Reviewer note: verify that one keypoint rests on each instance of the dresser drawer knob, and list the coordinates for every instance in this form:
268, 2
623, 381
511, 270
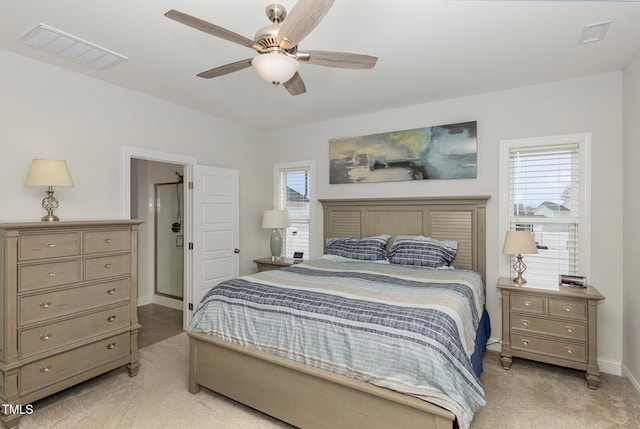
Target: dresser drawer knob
569, 350
111, 291
111, 346
107, 266
45, 304
111, 318
45, 337
527, 303
52, 274
107, 240
525, 341
569, 329
50, 245
45, 369
567, 308
525, 322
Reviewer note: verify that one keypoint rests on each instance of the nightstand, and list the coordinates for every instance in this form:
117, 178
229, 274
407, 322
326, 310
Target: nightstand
266, 264
555, 324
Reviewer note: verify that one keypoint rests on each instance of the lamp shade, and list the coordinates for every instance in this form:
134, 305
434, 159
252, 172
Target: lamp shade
49, 172
519, 242
275, 219
275, 68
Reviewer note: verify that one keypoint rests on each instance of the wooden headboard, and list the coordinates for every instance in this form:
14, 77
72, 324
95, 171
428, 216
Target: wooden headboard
444, 218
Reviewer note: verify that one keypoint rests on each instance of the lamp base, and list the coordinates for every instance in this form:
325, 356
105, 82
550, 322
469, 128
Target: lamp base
276, 245
519, 268
50, 218
50, 203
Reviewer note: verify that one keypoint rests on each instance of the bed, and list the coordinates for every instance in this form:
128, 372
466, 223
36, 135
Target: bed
317, 396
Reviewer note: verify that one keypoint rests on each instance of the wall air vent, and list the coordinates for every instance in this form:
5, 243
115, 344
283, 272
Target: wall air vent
594, 32
70, 47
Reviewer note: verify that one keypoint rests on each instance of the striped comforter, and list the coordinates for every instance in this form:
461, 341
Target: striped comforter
408, 329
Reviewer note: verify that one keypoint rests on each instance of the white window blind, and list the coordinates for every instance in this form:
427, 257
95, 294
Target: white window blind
544, 197
294, 195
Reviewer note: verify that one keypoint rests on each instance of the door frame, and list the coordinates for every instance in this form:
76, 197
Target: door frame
188, 163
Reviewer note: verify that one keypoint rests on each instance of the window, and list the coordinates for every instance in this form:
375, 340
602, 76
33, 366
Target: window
294, 193
544, 185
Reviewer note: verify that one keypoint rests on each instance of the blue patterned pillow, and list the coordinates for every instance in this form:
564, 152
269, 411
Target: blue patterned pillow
361, 249
422, 251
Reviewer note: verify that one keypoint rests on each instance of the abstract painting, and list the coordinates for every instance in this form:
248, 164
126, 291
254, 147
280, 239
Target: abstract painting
439, 152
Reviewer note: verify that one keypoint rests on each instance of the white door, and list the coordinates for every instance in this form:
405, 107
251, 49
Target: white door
215, 229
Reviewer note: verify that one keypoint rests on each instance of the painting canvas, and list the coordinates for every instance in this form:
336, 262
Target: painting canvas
439, 152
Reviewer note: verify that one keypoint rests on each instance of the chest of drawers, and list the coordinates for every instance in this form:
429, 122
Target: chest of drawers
68, 303
556, 325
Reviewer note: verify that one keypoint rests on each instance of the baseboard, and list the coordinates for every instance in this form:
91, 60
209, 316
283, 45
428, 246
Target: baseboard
144, 300
627, 374
176, 304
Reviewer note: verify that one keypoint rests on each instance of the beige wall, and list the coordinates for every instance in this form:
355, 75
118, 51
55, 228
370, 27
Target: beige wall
50, 112
592, 104
631, 212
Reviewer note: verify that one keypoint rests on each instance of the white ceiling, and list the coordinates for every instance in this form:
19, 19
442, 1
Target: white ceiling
428, 50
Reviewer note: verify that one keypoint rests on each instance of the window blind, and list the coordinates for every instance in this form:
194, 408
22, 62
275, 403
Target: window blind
544, 198
294, 196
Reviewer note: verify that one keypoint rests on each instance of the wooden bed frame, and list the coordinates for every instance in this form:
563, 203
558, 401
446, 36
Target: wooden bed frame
308, 397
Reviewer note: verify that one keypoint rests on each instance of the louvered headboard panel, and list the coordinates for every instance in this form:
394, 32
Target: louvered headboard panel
445, 218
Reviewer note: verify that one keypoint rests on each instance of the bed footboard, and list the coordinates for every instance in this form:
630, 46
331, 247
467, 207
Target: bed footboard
302, 395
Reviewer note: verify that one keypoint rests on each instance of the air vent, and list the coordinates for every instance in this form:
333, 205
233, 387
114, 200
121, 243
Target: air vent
594, 32
70, 47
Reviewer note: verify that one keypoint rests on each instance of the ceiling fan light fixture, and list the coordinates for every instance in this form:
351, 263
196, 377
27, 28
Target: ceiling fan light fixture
275, 68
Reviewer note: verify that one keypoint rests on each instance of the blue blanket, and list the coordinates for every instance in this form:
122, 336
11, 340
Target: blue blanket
412, 330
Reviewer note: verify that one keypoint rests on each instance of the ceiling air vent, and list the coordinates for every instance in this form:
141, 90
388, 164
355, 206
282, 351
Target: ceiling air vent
594, 32
53, 41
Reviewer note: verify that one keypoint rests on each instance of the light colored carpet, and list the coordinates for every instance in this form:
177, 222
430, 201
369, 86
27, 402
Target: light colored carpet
528, 396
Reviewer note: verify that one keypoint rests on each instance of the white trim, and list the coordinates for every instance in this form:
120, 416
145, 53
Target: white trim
176, 304
584, 140
188, 163
627, 374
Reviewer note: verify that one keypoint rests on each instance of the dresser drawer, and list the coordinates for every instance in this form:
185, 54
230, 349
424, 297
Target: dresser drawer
558, 349
107, 241
65, 365
44, 338
44, 306
528, 303
568, 308
51, 245
565, 329
38, 276
107, 266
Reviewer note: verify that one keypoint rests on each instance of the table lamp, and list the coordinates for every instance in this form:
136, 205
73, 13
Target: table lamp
275, 219
519, 243
49, 173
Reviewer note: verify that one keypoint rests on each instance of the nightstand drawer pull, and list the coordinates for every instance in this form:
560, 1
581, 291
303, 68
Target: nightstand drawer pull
51, 245
569, 329
52, 274
45, 305
107, 266
45, 369
525, 322
527, 303
111, 318
525, 341
111, 346
111, 291
569, 350
45, 337
567, 308
107, 240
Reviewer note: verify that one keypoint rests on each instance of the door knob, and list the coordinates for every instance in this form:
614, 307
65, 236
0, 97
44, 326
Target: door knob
236, 250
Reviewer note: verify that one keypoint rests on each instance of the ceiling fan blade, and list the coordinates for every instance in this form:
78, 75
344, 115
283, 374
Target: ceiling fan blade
345, 60
295, 85
226, 69
303, 18
207, 27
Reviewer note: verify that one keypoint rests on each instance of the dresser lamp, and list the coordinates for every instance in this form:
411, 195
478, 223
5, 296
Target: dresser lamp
49, 173
275, 219
519, 243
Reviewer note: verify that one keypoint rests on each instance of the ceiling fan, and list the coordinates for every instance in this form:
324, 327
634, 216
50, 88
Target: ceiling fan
277, 45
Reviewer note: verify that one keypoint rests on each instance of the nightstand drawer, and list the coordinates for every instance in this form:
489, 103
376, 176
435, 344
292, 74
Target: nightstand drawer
558, 349
528, 303
65, 365
565, 329
44, 306
106, 241
107, 266
43, 338
51, 245
568, 308
39, 276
